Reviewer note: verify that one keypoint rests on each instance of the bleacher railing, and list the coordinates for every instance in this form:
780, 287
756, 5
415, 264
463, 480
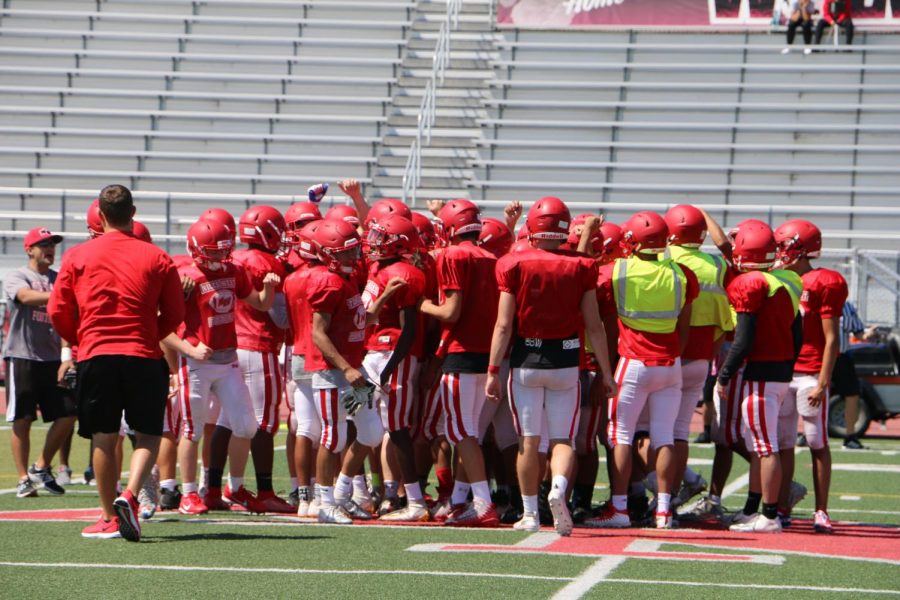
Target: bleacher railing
440, 62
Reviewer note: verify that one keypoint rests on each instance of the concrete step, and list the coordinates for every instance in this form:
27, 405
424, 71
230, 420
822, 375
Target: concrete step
428, 54
413, 121
428, 173
423, 193
432, 153
418, 81
385, 162
442, 112
437, 141
456, 64
425, 182
468, 7
443, 101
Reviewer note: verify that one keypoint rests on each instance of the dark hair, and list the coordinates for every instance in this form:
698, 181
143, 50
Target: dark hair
117, 205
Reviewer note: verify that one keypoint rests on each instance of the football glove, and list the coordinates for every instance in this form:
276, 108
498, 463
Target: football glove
354, 398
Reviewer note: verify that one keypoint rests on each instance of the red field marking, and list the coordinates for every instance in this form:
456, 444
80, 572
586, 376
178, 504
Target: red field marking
51, 514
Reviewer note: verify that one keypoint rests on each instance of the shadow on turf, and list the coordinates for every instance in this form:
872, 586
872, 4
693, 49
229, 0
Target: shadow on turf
230, 537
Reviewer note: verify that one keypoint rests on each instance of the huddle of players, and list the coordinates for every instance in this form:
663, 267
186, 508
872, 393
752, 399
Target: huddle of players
399, 343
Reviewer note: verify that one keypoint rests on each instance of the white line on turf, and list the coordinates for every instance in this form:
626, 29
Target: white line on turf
735, 486
593, 575
73, 565
853, 498
759, 586
865, 468
654, 546
540, 539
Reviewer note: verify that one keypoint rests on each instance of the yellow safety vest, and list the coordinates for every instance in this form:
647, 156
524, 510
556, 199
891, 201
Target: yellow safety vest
649, 294
711, 307
790, 281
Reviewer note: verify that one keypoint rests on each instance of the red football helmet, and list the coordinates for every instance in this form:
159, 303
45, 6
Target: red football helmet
387, 207
611, 249
94, 224
548, 219
209, 241
520, 246
305, 240
686, 224
523, 232
426, 230
459, 217
495, 236
752, 246
140, 231
576, 229
392, 236
300, 213
797, 239
222, 216
263, 226
644, 232
343, 212
338, 245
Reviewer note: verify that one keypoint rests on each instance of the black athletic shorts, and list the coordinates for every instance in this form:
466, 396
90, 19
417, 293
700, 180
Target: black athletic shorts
31, 385
844, 381
109, 385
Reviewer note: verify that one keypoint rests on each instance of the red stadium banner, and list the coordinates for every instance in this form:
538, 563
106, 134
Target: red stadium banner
691, 14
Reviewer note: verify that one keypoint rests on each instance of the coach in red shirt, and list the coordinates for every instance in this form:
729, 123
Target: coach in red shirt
117, 297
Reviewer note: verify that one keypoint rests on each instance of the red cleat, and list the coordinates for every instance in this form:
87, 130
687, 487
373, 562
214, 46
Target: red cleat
192, 504
268, 502
241, 497
477, 514
214, 499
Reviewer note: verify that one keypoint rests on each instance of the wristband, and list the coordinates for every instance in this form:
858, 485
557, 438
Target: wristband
493, 370
65, 354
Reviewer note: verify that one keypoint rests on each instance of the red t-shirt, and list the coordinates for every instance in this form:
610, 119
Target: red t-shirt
548, 287
652, 349
823, 297
329, 293
255, 329
429, 329
116, 295
384, 334
774, 339
210, 308
298, 310
469, 269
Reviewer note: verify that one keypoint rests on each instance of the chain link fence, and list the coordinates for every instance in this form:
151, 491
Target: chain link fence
874, 280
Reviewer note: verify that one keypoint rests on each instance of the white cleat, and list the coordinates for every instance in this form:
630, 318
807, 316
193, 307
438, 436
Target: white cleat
303, 509
353, 509
562, 520
759, 524
610, 519
334, 514
739, 518
786, 51
665, 521
413, 512
364, 502
529, 522
701, 510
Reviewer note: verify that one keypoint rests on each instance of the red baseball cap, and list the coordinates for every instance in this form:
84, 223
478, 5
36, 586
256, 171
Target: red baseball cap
40, 234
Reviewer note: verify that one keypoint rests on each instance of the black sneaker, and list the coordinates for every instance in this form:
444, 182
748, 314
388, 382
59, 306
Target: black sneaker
581, 514
45, 477
510, 516
638, 507
851, 443
169, 499
26, 489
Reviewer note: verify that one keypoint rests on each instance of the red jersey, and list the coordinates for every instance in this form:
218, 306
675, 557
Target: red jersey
256, 330
774, 340
331, 294
210, 308
469, 269
429, 329
823, 297
548, 287
385, 333
182, 260
607, 308
652, 349
116, 295
298, 309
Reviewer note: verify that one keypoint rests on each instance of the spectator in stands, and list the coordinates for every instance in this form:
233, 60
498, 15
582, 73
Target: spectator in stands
35, 365
835, 12
801, 16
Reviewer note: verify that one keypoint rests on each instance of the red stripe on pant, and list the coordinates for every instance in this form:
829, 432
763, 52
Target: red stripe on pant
267, 381
824, 416
328, 406
614, 402
751, 421
433, 411
403, 381
761, 399
185, 394
574, 424
512, 404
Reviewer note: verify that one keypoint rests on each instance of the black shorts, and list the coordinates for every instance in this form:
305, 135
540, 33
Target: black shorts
844, 381
32, 386
109, 385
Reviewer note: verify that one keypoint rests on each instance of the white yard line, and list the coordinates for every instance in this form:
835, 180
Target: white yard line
759, 586
594, 574
540, 539
74, 565
865, 468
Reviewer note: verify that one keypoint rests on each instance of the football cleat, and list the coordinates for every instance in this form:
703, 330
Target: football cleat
334, 514
441, 510
268, 502
389, 505
740, 517
102, 530
169, 499
192, 504
314, 507
477, 514
214, 501
610, 519
413, 512
562, 520
64, 475
798, 493
303, 509
529, 522
822, 523
688, 491
241, 497
785, 519
664, 520
45, 478
759, 523
364, 502
26, 489
702, 509
355, 511
294, 498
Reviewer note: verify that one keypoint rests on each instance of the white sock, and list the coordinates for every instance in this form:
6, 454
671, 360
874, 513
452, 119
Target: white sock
391, 488
235, 483
620, 502
359, 486
482, 491
530, 504
460, 492
342, 487
190, 486
561, 483
326, 495
662, 503
168, 484
413, 492
204, 477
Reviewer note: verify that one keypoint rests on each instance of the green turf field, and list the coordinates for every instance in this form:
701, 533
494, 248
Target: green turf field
230, 554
